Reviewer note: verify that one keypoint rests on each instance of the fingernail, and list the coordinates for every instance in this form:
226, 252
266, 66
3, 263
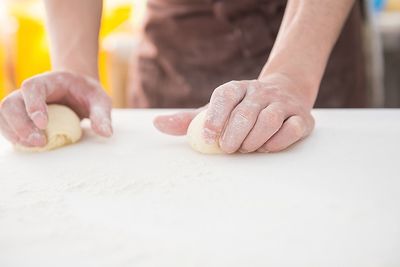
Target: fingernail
244, 151
162, 122
105, 127
262, 150
227, 142
227, 139
36, 139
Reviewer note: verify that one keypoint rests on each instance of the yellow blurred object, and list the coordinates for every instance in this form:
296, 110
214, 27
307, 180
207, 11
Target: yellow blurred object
30, 50
2, 60
2, 52
393, 5
4, 23
115, 13
31, 47
2, 68
118, 48
7, 34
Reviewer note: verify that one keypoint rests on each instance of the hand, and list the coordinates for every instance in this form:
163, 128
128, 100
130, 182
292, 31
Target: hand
23, 114
265, 115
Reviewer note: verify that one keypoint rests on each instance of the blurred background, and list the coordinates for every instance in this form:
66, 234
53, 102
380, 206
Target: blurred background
24, 45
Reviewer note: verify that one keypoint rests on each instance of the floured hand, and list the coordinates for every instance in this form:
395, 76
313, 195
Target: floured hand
266, 115
24, 114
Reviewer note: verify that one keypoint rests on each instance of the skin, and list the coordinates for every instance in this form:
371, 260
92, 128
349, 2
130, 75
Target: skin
266, 115
273, 112
73, 26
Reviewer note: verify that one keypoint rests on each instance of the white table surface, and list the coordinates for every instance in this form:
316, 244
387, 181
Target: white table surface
145, 199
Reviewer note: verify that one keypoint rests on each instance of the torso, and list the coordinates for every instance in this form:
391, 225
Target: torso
191, 47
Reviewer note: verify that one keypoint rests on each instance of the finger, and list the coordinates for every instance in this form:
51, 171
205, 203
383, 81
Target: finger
241, 121
175, 124
7, 132
269, 121
34, 95
100, 115
292, 130
224, 99
14, 113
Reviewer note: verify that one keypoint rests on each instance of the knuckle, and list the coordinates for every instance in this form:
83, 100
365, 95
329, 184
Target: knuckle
5, 104
247, 147
294, 105
272, 91
230, 91
234, 83
253, 88
252, 104
32, 83
273, 147
263, 93
308, 116
243, 115
297, 127
312, 122
308, 124
10, 102
276, 145
62, 79
272, 117
31, 87
251, 144
28, 83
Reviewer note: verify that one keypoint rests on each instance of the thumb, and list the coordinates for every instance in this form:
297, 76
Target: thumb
100, 117
175, 124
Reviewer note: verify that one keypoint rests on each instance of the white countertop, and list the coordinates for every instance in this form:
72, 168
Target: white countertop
145, 199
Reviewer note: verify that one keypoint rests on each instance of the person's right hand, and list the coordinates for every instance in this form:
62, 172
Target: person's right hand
23, 113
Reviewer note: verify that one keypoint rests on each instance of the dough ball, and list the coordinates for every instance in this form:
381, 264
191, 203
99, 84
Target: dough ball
196, 139
64, 128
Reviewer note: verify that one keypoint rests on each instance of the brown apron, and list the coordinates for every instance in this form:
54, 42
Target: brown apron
190, 47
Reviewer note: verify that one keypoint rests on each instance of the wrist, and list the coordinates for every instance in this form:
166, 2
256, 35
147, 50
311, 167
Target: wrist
81, 68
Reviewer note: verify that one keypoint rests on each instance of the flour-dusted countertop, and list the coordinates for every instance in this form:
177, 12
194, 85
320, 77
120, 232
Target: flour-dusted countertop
145, 199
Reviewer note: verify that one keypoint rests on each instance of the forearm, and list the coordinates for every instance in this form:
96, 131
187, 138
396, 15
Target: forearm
308, 33
74, 28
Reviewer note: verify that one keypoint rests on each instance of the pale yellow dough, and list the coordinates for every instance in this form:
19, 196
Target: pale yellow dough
63, 129
195, 137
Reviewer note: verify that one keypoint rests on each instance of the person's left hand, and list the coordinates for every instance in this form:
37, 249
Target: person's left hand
266, 115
